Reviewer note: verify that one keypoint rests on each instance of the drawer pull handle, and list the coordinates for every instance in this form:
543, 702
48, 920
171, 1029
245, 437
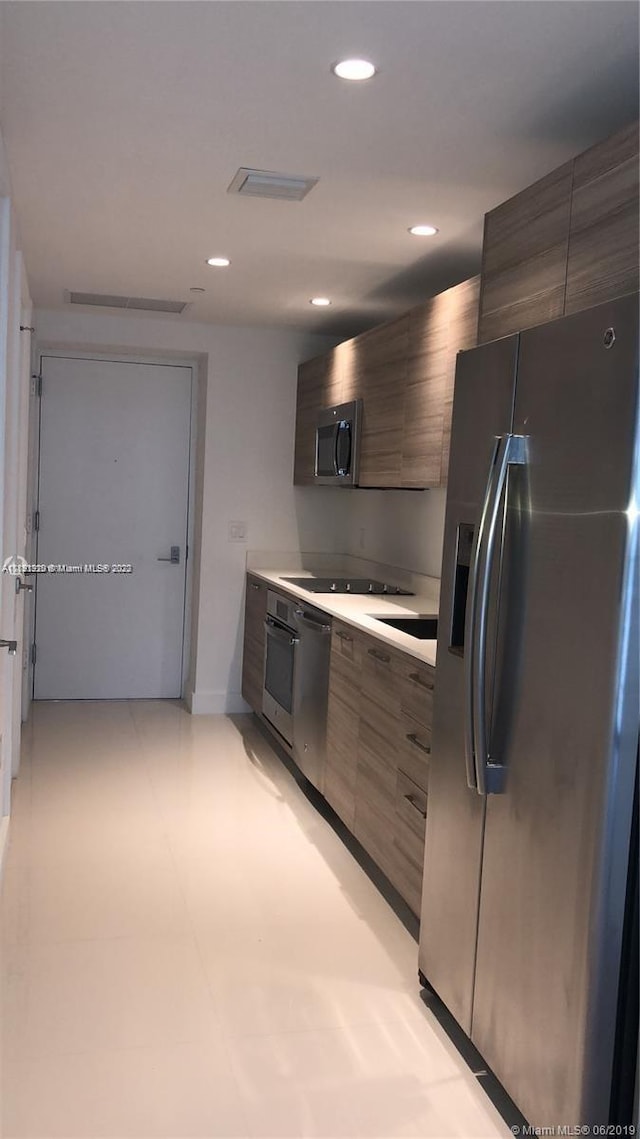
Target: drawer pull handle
416, 806
343, 636
384, 657
413, 739
417, 679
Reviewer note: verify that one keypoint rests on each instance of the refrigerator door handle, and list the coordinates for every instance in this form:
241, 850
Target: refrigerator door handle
482, 776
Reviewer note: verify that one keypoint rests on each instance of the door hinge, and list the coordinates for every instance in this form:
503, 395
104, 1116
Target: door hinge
33, 653
37, 386
36, 519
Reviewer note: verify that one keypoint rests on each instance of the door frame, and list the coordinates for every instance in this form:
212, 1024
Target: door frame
123, 357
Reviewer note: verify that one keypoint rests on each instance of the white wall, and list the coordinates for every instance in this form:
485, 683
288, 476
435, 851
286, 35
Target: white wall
398, 527
247, 463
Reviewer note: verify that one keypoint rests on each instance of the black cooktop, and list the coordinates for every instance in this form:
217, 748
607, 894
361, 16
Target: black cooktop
361, 585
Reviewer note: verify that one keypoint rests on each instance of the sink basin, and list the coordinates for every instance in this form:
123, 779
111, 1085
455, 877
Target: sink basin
424, 628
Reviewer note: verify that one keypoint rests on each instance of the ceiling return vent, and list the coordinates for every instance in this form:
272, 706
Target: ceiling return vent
142, 304
268, 184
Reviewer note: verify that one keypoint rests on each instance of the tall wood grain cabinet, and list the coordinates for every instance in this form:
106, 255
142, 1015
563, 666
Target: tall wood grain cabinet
566, 243
255, 612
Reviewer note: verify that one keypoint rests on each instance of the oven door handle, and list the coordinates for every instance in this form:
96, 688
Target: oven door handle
312, 622
280, 634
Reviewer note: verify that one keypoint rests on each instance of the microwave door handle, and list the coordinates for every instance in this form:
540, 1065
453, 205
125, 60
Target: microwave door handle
343, 430
336, 444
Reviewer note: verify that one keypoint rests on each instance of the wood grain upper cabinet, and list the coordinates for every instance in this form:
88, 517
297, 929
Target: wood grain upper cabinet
375, 372
319, 386
566, 243
463, 301
439, 329
255, 611
603, 234
524, 257
425, 393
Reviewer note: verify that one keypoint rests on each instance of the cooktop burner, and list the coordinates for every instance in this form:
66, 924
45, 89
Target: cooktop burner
347, 585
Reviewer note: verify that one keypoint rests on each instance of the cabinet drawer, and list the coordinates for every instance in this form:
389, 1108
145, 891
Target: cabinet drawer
380, 674
408, 868
341, 767
376, 785
346, 644
414, 751
411, 806
417, 682
375, 832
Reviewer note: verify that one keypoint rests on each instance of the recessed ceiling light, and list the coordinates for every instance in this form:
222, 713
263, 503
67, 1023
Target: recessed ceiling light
354, 69
321, 302
219, 262
423, 230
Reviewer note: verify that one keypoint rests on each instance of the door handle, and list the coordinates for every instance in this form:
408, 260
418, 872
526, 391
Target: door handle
11, 646
174, 557
482, 775
20, 585
311, 623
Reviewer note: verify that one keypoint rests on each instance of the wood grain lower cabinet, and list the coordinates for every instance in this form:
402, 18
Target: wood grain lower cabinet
416, 685
375, 814
379, 742
255, 611
343, 722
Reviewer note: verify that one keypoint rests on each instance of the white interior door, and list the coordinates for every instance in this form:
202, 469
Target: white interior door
7, 595
113, 492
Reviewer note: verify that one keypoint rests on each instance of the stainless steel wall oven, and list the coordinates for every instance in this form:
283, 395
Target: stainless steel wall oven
296, 680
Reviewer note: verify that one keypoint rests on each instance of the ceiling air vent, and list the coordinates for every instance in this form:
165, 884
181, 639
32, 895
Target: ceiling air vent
268, 184
142, 304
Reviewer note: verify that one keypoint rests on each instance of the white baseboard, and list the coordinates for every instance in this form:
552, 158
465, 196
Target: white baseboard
215, 703
4, 840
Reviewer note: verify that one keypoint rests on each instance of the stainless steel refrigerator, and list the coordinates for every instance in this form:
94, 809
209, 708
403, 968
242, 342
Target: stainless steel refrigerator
527, 910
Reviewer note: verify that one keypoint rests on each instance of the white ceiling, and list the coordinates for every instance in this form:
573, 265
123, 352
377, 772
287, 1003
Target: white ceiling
125, 122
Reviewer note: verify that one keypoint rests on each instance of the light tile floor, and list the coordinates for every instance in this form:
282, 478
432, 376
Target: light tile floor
188, 949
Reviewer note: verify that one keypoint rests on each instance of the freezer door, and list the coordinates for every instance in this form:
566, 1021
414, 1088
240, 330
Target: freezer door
556, 841
482, 411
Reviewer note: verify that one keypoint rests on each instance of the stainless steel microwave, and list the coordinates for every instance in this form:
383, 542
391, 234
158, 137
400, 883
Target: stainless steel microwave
338, 444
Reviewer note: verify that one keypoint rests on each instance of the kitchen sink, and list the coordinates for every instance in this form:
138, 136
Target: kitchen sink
424, 628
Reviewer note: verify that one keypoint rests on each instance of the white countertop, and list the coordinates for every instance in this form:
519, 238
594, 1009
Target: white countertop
361, 611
